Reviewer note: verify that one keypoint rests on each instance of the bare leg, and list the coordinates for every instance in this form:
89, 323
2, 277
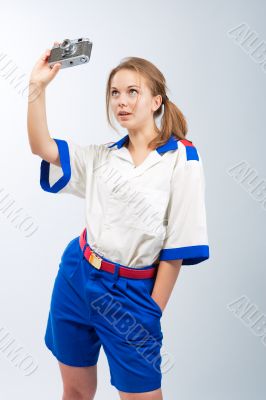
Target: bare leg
153, 395
79, 383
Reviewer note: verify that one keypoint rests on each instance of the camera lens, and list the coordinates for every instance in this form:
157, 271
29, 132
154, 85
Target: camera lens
65, 43
68, 47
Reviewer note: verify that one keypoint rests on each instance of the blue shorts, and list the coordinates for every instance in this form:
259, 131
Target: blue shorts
91, 307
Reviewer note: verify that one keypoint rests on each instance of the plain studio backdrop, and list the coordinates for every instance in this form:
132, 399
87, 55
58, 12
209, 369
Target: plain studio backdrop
206, 50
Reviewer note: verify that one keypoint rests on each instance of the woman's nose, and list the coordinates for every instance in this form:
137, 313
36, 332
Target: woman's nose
122, 100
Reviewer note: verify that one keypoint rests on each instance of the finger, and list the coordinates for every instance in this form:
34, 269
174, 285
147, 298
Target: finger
56, 68
46, 54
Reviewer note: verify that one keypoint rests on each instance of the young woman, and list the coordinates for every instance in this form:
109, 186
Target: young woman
145, 217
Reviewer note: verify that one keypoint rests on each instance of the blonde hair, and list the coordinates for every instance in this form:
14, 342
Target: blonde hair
173, 120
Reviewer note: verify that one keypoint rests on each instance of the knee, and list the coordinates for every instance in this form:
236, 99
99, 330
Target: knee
76, 394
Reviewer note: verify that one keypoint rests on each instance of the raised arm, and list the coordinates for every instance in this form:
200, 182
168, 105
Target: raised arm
40, 140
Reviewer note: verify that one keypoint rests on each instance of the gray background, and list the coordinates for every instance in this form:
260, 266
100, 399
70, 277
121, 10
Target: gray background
221, 91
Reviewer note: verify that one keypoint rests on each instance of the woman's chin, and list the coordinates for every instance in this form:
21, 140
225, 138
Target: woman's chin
125, 122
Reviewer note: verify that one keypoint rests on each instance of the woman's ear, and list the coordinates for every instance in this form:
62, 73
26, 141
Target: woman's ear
157, 102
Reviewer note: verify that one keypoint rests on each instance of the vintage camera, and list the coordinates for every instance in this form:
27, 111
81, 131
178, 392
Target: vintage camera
71, 53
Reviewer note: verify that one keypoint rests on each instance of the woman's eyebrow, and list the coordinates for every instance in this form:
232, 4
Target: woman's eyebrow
113, 87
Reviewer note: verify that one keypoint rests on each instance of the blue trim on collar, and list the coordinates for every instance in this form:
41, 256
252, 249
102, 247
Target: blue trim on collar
171, 144
120, 142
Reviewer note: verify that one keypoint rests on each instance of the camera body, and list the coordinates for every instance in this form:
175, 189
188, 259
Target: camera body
71, 53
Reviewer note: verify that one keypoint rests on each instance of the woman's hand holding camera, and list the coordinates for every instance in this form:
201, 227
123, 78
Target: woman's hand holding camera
42, 74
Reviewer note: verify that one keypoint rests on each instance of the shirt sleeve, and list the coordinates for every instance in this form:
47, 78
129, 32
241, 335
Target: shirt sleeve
71, 176
186, 233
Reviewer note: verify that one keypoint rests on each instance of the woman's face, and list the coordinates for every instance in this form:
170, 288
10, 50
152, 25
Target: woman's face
130, 93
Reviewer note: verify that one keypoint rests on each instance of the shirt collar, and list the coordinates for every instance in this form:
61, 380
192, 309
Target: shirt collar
171, 144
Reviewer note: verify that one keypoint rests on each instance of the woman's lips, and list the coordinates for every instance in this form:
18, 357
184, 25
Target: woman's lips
124, 116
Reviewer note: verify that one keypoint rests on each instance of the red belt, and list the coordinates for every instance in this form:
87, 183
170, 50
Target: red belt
99, 263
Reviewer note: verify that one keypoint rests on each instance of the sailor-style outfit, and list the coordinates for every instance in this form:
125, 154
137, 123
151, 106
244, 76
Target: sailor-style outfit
136, 216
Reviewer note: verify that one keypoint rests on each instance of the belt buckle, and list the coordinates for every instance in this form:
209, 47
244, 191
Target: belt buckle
95, 260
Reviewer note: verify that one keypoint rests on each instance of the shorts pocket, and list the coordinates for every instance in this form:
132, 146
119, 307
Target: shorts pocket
147, 287
71, 258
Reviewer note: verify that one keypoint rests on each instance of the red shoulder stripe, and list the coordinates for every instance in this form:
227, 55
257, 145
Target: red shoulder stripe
187, 142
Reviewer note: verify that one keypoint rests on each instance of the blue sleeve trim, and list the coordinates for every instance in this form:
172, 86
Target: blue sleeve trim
65, 164
191, 255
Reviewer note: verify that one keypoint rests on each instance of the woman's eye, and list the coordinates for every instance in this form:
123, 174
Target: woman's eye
115, 91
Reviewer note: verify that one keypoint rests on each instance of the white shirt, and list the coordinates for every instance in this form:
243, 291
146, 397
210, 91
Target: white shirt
136, 215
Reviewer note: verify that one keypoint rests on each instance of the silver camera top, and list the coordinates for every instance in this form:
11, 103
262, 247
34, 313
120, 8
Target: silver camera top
71, 53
